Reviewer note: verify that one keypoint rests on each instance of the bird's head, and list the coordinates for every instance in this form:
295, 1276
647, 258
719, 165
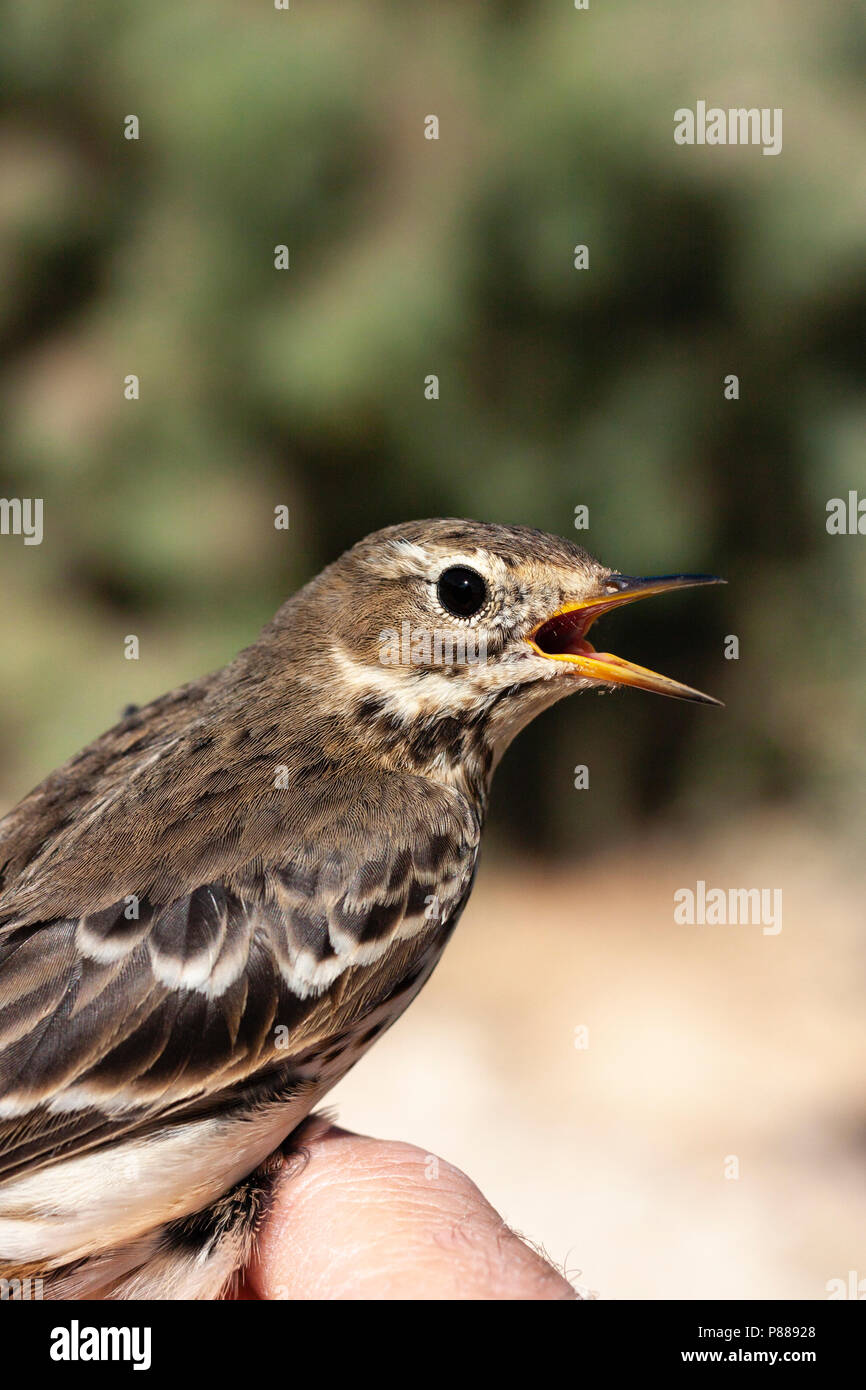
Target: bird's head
442, 627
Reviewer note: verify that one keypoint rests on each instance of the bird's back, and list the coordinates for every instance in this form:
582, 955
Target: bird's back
202, 926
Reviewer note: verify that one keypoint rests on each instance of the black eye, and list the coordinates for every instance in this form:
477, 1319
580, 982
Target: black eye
461, 591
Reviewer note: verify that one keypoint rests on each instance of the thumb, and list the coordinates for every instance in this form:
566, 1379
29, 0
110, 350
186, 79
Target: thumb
376, 1219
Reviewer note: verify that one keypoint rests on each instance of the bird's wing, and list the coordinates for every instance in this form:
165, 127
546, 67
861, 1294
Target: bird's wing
117, 1017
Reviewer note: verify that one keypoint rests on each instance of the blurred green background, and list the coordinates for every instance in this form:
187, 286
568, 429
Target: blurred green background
409, 257
558, 388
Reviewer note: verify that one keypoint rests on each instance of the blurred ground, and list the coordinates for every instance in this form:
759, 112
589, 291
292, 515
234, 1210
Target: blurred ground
704, 1042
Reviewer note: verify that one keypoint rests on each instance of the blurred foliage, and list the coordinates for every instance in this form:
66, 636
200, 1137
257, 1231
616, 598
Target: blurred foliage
454, 257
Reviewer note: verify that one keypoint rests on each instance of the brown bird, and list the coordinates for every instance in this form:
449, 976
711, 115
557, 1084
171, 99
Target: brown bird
209, 914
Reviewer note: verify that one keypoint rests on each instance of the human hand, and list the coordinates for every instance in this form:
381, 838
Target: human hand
377, 1219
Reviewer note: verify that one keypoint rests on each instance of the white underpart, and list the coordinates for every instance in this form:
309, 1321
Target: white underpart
114, 1194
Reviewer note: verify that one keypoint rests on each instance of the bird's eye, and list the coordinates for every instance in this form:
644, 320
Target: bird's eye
461, 591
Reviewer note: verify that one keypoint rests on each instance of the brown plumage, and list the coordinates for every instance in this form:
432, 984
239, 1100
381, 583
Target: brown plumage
211, 912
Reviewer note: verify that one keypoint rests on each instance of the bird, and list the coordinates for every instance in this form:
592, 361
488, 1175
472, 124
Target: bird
212, 912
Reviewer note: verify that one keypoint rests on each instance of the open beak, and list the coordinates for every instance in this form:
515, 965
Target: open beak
562, 636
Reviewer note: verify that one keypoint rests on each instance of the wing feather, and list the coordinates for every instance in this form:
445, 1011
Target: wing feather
108, 1023
176, 931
